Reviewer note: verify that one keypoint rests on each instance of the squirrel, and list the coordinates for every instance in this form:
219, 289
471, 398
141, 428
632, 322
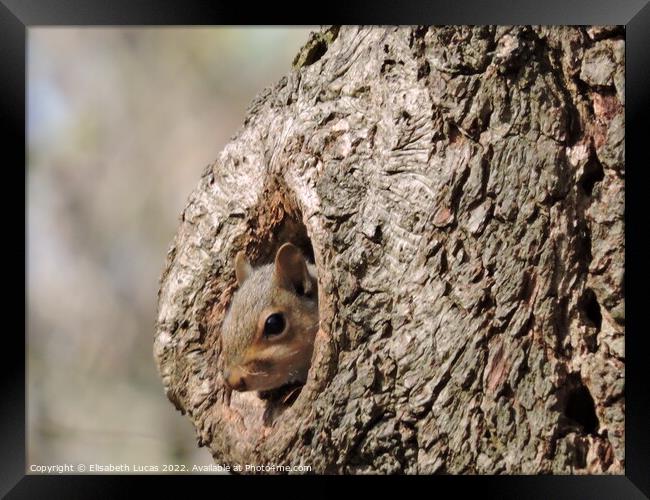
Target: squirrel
269, 329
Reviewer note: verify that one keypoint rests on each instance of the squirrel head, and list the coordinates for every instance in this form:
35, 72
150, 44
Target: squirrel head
269, 329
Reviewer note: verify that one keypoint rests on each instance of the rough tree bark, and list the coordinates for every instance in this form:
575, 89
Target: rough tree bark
462, 192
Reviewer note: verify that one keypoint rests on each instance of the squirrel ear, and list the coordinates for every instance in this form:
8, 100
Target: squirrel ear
242, 268
291, 269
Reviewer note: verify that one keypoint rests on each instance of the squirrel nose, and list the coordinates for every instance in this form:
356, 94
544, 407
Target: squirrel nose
233, 380
239, 384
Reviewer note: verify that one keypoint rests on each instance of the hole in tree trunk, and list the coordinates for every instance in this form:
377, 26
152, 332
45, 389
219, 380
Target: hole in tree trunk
580, 406
592, 174
591, 308
275, 221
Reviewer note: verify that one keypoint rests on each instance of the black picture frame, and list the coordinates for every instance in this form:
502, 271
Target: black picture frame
16, 16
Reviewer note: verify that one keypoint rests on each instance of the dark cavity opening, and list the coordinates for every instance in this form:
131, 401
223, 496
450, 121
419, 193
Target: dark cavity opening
294, 231
583, 250
268, 237
315, 52
591, 308
592, 174
580, 406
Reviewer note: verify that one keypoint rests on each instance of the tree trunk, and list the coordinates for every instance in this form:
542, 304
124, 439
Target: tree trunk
461, 190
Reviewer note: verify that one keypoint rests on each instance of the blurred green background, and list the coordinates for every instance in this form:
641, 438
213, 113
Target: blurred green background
121, 122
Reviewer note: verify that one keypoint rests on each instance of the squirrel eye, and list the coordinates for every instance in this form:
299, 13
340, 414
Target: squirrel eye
274, 325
